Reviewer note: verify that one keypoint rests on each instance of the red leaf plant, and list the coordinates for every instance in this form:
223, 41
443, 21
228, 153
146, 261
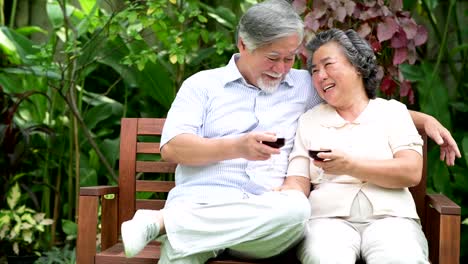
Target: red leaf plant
391, 32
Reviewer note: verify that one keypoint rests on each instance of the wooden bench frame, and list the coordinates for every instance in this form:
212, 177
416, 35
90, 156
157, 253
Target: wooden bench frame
440, 216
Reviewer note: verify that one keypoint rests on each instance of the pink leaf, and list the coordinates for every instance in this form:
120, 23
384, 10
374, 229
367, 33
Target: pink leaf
386, 12
388, 85
399, 40
300, 6
400, 56
357, 13
309, 21
332, 4
407, 90
330, 22
318, 12
350, 6
404, 14
380, 72
411, 53
340, 14
421, 36
411, 96
374, 12
396, 5
376, 46
369, 3
386, 29
409, 26
405, 87
392, 70
364, 30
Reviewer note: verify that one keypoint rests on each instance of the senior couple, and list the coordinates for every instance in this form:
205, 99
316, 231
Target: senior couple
235, 194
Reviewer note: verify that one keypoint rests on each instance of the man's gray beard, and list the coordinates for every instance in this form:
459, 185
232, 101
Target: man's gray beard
268, 87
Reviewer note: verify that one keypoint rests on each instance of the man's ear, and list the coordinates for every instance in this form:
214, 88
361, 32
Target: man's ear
240, 44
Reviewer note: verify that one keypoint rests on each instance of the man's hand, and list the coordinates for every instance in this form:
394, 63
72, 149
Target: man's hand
251, 148
448, 146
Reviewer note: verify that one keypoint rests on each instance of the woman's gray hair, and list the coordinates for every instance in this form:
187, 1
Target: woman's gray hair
268, 21
356, 49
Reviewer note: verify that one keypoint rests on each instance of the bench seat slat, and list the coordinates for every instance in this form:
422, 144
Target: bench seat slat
151, 254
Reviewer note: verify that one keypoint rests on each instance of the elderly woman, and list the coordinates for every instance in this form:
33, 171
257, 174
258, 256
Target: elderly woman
361, 205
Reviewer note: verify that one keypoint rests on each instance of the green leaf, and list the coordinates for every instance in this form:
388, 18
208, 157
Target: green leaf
465, 148
438, 171
202, 19
16, 248
69, 227
9, 48
412, 73
28, 236
458, 49
89, 6
154, 80
26, 31
222, 15
13, 196
88, 176
46, 221
97, 114
433, 94
28, 219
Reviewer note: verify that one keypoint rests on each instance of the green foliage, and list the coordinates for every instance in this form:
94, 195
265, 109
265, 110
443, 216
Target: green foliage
100, 61
442, 87
20, 225
56, 255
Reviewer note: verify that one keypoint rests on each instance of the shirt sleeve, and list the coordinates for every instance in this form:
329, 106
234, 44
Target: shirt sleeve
187, 111
403, 133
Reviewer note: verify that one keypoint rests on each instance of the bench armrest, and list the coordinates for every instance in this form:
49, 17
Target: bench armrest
98, 190
442, 204
442, 228
89, 200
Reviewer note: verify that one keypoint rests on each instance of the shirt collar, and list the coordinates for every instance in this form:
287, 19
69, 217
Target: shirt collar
233, 74
331, 118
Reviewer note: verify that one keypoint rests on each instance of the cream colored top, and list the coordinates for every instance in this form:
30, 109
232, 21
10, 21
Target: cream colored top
382, 129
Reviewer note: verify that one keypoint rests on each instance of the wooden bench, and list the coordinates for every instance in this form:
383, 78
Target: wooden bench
440, 216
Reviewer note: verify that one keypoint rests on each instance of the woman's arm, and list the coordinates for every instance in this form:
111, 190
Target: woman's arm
404, 170
299, 183
435, 130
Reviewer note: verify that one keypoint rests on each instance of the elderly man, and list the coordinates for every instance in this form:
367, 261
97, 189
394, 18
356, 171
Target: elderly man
216, 130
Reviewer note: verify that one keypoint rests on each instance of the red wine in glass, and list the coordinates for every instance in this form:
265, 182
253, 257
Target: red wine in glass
313, 154
276, 144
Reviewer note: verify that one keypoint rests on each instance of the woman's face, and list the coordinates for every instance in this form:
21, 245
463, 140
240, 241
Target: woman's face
336, 80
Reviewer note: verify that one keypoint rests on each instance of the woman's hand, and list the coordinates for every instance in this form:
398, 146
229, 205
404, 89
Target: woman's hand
448, 146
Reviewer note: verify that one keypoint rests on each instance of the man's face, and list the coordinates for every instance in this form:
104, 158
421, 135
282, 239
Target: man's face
266, 66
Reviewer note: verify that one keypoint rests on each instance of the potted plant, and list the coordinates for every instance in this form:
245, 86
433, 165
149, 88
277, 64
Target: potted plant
20, 227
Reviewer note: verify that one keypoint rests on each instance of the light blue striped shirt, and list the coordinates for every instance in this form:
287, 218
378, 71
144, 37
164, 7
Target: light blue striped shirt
218, 103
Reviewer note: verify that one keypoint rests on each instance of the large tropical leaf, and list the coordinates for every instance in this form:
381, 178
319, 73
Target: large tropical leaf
153, 80
433, 94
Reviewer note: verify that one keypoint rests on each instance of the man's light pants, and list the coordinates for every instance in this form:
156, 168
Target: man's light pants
257, 227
